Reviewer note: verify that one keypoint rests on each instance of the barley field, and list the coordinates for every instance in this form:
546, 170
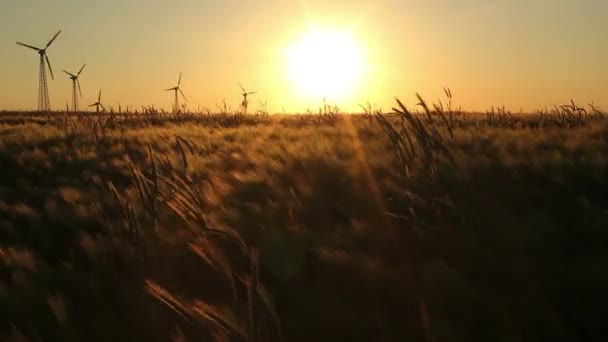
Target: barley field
423, 223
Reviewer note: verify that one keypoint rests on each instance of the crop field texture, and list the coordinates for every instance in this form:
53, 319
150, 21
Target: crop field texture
424, 223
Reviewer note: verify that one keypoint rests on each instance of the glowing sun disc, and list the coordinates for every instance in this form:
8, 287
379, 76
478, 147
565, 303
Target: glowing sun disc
326, 63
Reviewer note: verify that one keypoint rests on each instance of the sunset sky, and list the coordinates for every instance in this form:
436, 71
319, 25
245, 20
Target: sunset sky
519, 53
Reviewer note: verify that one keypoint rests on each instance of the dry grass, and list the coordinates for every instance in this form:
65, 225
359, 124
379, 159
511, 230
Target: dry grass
422, 224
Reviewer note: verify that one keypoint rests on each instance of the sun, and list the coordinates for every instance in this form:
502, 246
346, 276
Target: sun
326, 64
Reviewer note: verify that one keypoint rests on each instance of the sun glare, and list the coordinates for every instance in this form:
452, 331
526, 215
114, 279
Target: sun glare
326, 63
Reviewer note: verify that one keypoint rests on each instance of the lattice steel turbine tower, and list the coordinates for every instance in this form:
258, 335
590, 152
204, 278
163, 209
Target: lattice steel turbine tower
44, 103
75, 81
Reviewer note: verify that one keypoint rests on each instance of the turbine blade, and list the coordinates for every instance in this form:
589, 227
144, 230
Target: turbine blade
69, 73
180, 79
28, 46
49, 64
102, 107
243, 89
99, 97
93, 105
169, 89
184, 96
79, 72
79, 90
52, 39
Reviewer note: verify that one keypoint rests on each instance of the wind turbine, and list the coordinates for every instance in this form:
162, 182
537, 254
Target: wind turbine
75, 81
245, 102
98, 103
44, 104
176, 89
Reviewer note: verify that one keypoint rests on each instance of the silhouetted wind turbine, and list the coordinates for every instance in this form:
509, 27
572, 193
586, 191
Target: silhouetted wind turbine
245, 102
98, 103
75, 81
44, 104
176, 89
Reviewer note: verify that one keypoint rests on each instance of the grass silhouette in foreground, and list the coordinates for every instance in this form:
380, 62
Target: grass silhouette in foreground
430, 226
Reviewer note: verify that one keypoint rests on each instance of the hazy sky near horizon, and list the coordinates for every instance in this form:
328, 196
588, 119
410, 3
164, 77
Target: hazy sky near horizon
519, 53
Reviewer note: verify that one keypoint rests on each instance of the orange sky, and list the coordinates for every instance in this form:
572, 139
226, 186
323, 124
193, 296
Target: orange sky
523, 54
